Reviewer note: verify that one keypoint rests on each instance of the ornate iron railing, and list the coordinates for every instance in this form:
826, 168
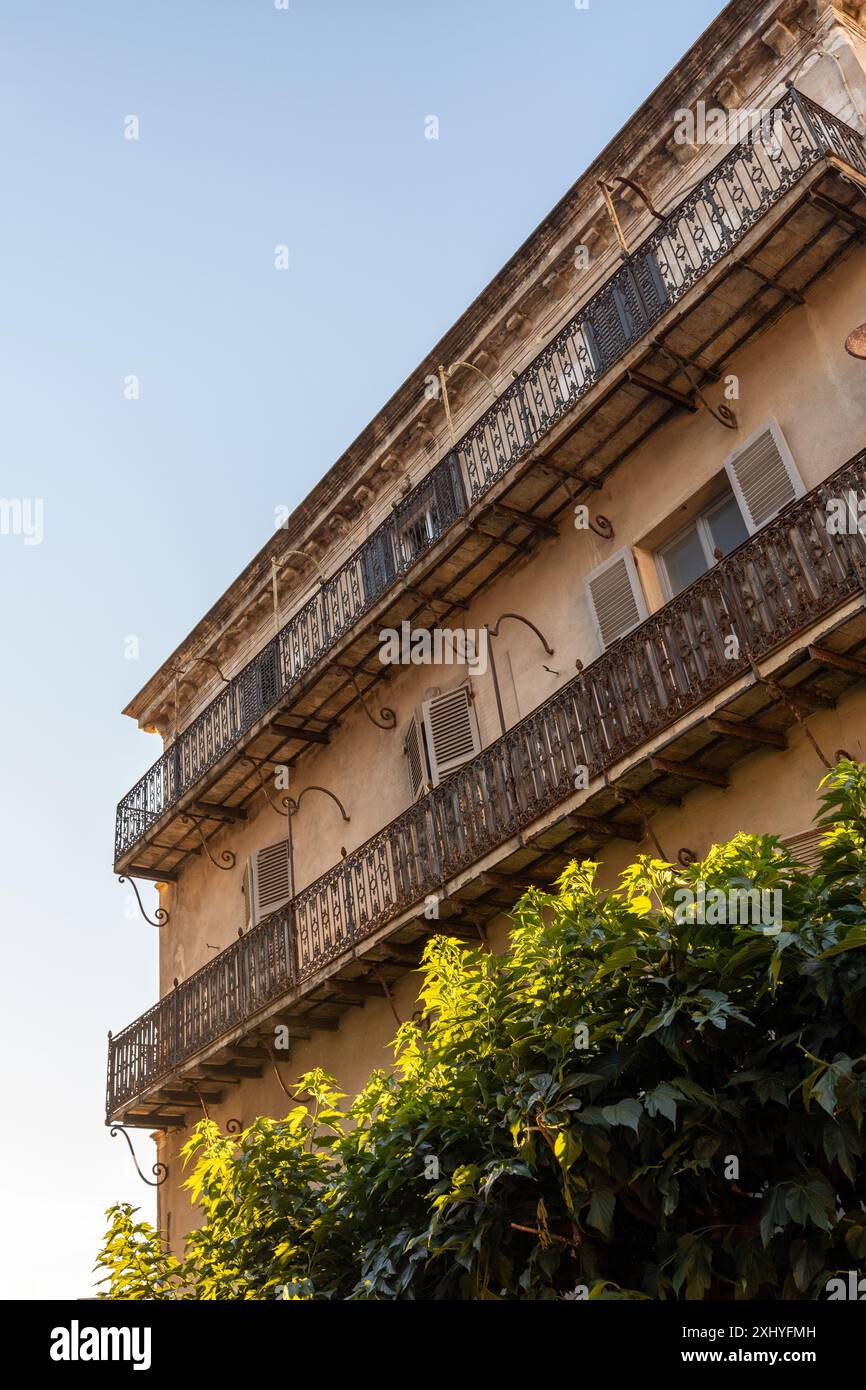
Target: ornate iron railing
777, 584
692, 238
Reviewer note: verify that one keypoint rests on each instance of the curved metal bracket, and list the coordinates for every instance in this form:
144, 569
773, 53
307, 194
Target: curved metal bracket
234, 1126
228, 859
162, 917
183, 668
722, 413
294, 806
253, 762
389, 718
444, 374
159, 1170
518, 617
686, 857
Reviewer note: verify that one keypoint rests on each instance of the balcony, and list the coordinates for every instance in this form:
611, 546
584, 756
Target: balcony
740, 250
339, 938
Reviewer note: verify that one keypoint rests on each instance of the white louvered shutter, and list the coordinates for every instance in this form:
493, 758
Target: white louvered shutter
451, 730
415, 764
763, 476
615, 597
267, 881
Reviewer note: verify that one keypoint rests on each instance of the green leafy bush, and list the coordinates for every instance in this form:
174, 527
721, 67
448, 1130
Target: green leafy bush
630, 1103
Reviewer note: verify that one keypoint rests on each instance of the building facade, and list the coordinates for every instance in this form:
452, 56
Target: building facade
591, 584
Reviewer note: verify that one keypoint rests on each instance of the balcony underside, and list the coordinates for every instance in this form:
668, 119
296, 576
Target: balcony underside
767, 273
811, 673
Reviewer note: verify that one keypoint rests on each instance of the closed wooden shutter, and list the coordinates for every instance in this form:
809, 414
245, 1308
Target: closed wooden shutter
763, 476
805, 847
413, 748
615, 597
267, 881
451, 731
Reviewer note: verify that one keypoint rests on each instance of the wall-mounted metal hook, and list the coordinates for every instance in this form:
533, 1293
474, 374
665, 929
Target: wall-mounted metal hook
159, 1170
686, 857
444, 374
601, 526
228, 859
494, 632
388, 719
294, 806
162, 917
184, 667
256, 763
722, 412
234, 1126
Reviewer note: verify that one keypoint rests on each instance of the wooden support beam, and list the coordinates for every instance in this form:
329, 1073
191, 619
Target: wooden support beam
692, 771
214, 812
794, 295
535, 523
152, 1119
175, 1096
307, 1020
335, 993
748, 733
598, 825
855, 221
660, 388
156, 875
499, 878
295, 731
368, 988
855, 664
808, 700
399, 954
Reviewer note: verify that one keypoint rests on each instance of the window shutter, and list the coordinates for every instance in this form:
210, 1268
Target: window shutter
764, 476
414, 751
267, 884
377, 562
451, 731
805, 847
615, 597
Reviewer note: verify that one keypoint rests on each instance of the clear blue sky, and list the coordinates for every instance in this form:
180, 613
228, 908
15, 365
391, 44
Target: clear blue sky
154, 257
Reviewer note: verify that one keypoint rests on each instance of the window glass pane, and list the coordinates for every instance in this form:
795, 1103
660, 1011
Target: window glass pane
727, 526
684, 559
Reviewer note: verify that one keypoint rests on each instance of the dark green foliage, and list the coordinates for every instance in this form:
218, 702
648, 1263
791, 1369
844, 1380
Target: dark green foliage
626, 1105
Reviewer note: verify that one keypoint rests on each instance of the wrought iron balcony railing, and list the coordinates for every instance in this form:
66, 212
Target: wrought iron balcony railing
776, 585
699, 232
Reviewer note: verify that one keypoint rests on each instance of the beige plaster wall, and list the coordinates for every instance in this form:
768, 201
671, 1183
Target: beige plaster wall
797, 372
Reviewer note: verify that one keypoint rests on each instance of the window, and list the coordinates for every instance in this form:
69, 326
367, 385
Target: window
615, 597
267, 881
416, 533
691, 553
442, 736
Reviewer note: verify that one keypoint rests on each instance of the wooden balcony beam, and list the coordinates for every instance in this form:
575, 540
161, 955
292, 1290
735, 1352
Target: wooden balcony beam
535, 523
598, 825
838, 661
155, 1120
156, 875
839, 210
295, 731
746, 732
660, 388
215, 812
691, 771
307, 1020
